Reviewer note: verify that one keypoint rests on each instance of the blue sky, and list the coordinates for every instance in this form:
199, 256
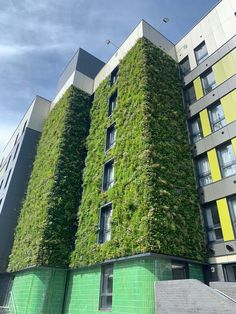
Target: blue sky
39, 37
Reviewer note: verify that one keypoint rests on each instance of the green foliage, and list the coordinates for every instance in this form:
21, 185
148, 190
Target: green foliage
154, 198
46, 226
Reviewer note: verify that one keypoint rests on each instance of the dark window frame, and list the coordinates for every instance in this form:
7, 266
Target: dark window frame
107, 184
201, 176
231, 211
189, 101
212, 123
181, 63
208, 228
103, 283
112, 103
102, 231
209, 88
114, 76
220, 159
110, 144
193, 135
196, 49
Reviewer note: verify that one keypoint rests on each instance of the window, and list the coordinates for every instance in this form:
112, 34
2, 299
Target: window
179, 270
232, 206
189, 95
201, 52
106, 287
196, 130
17, 147
184, 66
213, 226
217, 117
208, 81
111, 136
108, 179
204, 172
114, 76
1, 184
16, 139
24, 127
8, 162
8, 176
105, 224
227, 160
112, 103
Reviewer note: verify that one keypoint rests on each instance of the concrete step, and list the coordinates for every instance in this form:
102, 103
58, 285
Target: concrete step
191, 296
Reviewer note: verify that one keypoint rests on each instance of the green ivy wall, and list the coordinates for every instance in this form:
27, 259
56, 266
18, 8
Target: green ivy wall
154, 200
47, 223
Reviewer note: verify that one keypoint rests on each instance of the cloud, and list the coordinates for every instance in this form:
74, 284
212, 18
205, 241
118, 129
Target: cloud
39, 37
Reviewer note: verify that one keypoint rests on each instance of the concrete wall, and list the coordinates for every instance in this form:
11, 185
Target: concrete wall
216, 28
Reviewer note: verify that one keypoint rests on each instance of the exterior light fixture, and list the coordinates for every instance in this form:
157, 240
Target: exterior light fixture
109, 42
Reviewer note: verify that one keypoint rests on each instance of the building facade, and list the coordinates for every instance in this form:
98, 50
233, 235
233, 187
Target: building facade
207, 58
16, 165
134, 177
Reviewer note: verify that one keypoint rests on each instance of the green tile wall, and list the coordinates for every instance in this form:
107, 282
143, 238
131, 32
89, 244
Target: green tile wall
196, 272
133, 287
39, 291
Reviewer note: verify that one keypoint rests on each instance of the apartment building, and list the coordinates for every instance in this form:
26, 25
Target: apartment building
142, 150
16, 165
207, 58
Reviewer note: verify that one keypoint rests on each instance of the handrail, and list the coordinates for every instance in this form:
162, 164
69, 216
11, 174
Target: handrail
13, 302
225, 295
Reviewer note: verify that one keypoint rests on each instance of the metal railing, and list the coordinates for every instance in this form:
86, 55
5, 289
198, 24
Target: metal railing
225, 295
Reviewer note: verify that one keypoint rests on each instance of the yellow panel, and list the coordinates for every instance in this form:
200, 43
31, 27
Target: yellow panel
198, 88
228, 64
229, 106
234, 145
225, 220
225, 68
214, 165
219, 72
206, 127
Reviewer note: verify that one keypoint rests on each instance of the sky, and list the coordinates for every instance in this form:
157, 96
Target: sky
37, 39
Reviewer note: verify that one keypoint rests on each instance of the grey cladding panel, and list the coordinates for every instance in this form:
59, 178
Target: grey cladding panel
15, 194
88, 64
83, 62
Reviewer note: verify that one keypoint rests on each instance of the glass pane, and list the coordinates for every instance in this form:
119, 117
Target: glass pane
190, 95
196, 131
184, 66
218, 234
233, 208
106, 302
209, 217
227, 159
110, 175
107, 280
208, 82
215, 215
217, 117
211, 236
201, 53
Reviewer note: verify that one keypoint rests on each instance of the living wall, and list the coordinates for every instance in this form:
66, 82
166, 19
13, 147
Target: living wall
47, 223
154, 201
